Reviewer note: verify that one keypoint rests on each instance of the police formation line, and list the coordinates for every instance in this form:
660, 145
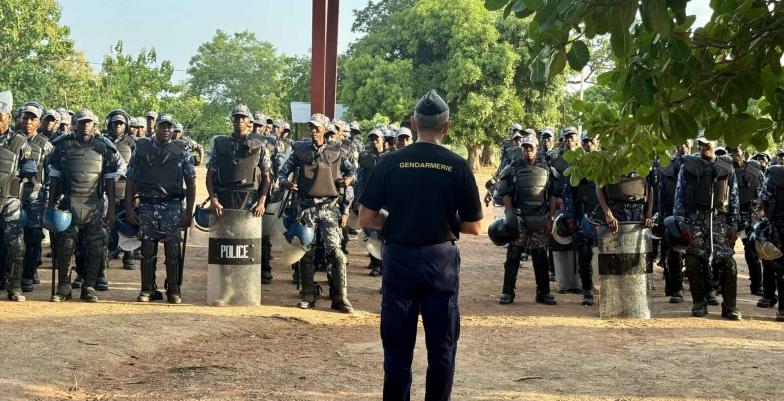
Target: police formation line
691, 211
121, 190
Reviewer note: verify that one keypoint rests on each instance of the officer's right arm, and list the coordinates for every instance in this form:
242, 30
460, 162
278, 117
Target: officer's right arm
55, 183
289, 167
215, 205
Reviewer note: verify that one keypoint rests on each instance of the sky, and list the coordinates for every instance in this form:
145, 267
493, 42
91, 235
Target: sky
176, 28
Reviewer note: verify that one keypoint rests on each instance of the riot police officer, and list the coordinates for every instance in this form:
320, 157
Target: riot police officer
367, 163
771, 207
82, 170
238, 171
50, 123
157, 171
706, 197
749, 178
118, 124
545, 141
402, 138
192, 146
673, 260
512, 141
579, 203
527, 185
34, 193
152, 116
16, 165
323, 172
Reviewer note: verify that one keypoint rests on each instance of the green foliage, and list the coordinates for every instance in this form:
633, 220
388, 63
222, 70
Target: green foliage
475, 59
667, 79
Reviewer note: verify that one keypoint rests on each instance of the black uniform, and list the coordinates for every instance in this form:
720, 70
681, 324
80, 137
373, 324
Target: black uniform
428, 191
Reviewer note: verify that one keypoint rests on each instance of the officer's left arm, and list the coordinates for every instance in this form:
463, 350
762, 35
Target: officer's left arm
112, 163
648, 222
348, 171
200, 151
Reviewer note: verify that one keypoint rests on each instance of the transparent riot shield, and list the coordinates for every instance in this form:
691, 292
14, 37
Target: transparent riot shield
234, 255
623, 259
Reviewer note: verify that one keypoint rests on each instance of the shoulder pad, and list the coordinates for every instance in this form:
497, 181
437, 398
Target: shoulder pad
40, 140
256, 141
176, 147
669, 171
301, 144
107, 143
754, 168
507, 171
775, 174
724, 166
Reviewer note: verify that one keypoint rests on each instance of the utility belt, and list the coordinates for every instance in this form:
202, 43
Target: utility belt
244, 187
307, 214
161, 199
699, 213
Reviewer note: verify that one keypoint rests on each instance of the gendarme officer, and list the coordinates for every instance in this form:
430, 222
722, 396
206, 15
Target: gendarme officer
432, 197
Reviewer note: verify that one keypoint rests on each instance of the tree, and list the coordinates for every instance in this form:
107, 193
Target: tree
374, 15
668, 79
238, 68
471, 56
33, 49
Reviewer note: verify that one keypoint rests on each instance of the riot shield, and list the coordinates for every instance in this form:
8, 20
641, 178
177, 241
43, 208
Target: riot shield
623, 259
234, 253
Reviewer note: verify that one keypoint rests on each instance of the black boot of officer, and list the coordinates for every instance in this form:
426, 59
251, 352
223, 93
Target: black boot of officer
755, 268
149, 292
780, 285
33, 237
375, 267
769, 284
310, 291
585, 269
674, 269
511, 267
172, 250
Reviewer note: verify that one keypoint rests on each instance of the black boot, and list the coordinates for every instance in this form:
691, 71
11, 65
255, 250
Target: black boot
697, 285
148, 272
266, 255
339, 285
543, 295
128, 261
15, 259
310, 291
173, 250
511, 268
585, 269
729, 276
89, 294
102, 283
375, 267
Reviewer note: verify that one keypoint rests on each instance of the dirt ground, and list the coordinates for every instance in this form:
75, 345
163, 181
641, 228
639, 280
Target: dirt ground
120, 350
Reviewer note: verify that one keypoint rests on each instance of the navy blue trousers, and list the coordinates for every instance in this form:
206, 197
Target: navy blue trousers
420, 279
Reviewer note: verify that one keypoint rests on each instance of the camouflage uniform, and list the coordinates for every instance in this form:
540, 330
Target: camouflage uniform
530, 187
772, 193
322, 209
698, 181
15, 165
33, 200
160, 208
749, 178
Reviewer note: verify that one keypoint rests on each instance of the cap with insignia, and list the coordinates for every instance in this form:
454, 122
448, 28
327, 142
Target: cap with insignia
319, 120
286, 127
6, 102
375, 132
86, 114
278, 123
152, 114
759, 155
515, 127
177, 127
259, 118
354, 126
403, 131
431, 105
530, 139
65, 117
516, 134
547, 132
241, 110
529, 131
165, 118
53, 113
32, 107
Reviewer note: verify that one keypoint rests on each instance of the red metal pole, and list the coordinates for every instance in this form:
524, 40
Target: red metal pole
317, 66
331, 71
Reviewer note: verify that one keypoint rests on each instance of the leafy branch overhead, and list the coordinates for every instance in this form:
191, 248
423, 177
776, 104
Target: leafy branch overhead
669, 78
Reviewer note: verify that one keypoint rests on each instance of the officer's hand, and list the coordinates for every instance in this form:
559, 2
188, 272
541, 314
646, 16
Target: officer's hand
572, 225
730, 237
612, 222
343, 220
185, 220
648, 223
216, 207
548, 227
258, 211
289, 185
131, 216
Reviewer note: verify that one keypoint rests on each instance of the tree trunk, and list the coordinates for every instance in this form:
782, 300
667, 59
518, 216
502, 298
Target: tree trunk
488, 153
473, 156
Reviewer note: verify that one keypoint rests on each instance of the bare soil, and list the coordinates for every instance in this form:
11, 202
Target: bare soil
120, 350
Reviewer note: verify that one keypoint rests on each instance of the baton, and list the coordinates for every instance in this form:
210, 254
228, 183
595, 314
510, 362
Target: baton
182, 257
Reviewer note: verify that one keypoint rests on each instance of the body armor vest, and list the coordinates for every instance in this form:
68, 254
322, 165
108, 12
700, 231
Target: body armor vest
368, 161
749, 179
9, 163
668, 184
82, 167
160, 172
559, 163
238, 162
320, 170
531, 195
124, 147
703, 180
629, 190
40, 148
585, 197
775, 210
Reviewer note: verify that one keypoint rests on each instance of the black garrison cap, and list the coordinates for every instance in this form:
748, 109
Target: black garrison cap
431, 104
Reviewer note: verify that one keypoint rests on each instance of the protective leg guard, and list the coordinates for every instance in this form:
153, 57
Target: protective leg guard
755, 268
16, 252
310, 291
541, 274
149, 251
102, 283
694, 266
511, 267
63, 250
173, 251
730, 285
338, 286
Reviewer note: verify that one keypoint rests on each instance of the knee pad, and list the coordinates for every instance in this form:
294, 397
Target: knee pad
149, 248
172, 251
338, 257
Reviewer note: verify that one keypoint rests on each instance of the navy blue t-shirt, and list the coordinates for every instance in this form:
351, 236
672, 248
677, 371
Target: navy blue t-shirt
427, 190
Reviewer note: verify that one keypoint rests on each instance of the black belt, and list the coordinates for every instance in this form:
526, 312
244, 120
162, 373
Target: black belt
159, 199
